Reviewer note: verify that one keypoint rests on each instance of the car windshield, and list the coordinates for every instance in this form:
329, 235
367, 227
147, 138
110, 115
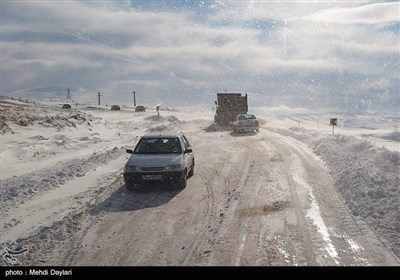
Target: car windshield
250, 117
159, 146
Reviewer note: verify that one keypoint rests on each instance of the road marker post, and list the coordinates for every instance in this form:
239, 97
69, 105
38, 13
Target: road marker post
333, 123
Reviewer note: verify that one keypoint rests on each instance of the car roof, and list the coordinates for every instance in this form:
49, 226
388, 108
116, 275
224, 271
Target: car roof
163, 135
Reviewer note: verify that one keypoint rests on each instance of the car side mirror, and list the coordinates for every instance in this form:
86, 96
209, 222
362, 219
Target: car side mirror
187, 151
129, 151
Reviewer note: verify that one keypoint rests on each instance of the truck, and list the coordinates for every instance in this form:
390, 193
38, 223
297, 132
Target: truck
229, 106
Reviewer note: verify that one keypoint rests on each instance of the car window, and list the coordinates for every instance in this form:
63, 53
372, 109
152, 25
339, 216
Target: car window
158, 146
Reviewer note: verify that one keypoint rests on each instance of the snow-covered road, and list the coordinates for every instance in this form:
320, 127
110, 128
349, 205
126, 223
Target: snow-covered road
254, 200
262, 199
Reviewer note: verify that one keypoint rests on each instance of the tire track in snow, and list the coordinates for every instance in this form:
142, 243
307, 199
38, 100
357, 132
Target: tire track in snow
300, 215
209, 183
298, 176
246, 223
229, 196
237, 236
281, 239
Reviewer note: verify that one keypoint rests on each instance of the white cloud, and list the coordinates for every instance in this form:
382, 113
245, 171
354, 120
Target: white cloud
274, 11
369, 14
270, 65
135, 83
271, 48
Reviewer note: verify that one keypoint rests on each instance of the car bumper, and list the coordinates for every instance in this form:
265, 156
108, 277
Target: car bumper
248, 128
162, 177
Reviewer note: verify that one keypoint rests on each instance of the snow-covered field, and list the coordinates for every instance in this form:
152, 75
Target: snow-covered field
61, 182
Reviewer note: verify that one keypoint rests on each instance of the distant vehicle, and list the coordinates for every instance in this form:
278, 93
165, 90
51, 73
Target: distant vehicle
115, 107
166, 158
140, 109
246, 123
229, 105
66, 106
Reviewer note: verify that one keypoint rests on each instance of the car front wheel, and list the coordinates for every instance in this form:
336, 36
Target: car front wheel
183, 180
191, 172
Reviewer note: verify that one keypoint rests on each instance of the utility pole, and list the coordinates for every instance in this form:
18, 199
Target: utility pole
98, 95
68, 94
134, 98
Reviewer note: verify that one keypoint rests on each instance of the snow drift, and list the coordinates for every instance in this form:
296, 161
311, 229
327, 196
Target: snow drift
368, 179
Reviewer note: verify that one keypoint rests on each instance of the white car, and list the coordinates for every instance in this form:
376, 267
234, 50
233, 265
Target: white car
166, 158
246, 123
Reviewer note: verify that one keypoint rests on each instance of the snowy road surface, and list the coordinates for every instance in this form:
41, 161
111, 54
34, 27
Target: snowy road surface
262, 199
254, 200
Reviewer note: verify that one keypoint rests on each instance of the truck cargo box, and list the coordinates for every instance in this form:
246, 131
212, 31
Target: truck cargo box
229, 105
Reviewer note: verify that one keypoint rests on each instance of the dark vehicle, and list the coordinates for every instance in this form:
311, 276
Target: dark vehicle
66, 106
140, 109
246, 123
165, 158
229, 105
115, 107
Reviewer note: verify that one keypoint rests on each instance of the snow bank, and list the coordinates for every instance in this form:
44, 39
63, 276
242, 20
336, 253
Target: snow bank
94, 108
168, 123
368, 179
21, 189
4, 128
393, 136
171, 119
14, 113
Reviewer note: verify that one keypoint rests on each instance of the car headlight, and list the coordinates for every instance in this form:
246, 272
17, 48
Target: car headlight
131, 169
176, 167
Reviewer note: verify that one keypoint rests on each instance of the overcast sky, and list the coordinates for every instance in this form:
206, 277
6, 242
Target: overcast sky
306, 53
